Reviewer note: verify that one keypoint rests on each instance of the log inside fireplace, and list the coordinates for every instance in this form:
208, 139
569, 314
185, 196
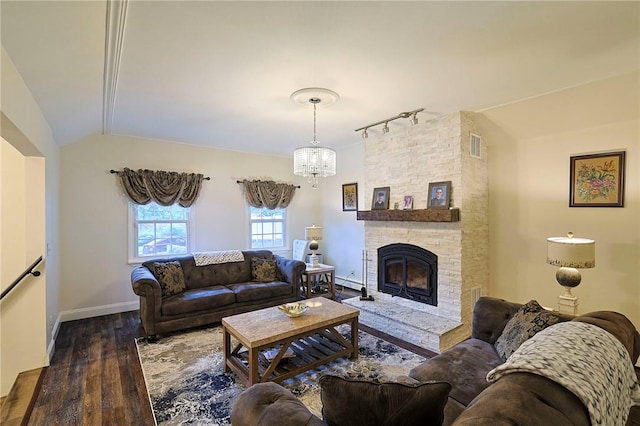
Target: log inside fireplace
408, 271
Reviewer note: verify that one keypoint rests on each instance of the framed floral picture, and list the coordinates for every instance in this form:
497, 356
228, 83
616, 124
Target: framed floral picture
597, 180
380, 198
350, 197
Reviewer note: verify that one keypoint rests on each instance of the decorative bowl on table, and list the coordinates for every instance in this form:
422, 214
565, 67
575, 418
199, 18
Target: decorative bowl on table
293, 310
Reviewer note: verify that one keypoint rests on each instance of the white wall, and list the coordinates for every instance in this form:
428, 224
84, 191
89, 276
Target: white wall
93, 223
22, 314
344, 235
530, 144
30, 162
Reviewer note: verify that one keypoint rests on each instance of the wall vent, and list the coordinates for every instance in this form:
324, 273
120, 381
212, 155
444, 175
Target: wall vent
475, 145
476, 292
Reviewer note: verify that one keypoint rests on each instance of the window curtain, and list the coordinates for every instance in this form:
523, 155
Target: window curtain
267, 193
165, 188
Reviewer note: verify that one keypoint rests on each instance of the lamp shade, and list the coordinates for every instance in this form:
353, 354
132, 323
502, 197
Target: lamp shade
313, 233
315, 161
569, 252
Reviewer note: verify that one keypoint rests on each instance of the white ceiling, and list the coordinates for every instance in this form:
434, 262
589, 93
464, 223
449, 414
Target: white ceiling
220, 73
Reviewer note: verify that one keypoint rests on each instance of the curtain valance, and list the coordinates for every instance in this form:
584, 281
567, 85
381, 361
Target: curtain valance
267, 193
165, 188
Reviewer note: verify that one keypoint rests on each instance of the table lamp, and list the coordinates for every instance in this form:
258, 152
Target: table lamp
313, 234
570, 254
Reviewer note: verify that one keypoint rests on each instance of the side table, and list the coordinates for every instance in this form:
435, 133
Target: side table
316, 271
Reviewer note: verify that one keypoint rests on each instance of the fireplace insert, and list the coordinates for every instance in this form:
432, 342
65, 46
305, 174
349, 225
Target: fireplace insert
408, 271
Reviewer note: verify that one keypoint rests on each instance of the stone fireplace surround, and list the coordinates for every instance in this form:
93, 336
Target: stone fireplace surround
406, 160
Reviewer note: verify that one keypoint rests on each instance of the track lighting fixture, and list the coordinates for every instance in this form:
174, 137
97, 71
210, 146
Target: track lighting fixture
385, 129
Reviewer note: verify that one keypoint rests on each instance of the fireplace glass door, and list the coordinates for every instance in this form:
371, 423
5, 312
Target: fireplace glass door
408, 271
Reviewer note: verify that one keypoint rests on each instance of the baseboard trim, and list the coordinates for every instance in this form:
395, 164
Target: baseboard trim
354, 285
96, 311
52, 344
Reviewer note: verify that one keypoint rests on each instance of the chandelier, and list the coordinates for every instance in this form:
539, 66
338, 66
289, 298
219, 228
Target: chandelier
314, 161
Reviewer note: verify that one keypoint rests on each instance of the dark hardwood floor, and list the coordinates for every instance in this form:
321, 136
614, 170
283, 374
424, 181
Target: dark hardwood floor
95, 376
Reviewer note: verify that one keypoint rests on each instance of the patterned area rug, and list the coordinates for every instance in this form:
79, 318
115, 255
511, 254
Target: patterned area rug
187, 385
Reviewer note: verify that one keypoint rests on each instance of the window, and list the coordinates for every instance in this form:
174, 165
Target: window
160, 231
267, 227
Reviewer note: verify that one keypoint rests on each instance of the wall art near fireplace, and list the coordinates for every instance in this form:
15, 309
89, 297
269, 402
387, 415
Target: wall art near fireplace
597, 180
380, 199
439, 195
350, 197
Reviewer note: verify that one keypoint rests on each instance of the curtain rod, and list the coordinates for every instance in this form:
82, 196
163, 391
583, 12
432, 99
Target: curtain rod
241, 181
115, 171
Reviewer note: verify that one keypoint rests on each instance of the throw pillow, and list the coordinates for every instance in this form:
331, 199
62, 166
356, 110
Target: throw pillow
263, 270
525, 323
348, 402
170, 276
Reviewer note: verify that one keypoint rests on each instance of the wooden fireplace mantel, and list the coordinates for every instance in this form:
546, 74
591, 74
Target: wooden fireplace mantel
418, 215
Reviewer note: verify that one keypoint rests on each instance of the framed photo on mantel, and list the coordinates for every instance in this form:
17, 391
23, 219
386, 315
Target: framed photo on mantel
407, 203
380, 198
439, 195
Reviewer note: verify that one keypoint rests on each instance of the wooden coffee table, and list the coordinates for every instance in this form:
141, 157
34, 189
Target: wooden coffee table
312, 338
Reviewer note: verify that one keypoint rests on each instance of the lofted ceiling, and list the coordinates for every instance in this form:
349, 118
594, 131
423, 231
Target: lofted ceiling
220, 74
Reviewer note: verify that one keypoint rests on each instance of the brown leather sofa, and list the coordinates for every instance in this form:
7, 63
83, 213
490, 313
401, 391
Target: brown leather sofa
519, 398
212, 291
515, 399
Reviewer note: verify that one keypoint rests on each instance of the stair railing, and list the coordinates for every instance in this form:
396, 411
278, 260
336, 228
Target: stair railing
27, 271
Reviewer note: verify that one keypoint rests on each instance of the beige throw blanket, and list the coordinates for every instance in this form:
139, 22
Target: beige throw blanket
585, 359
213, 257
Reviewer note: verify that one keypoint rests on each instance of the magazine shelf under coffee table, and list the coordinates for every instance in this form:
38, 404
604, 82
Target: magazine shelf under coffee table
312, 338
